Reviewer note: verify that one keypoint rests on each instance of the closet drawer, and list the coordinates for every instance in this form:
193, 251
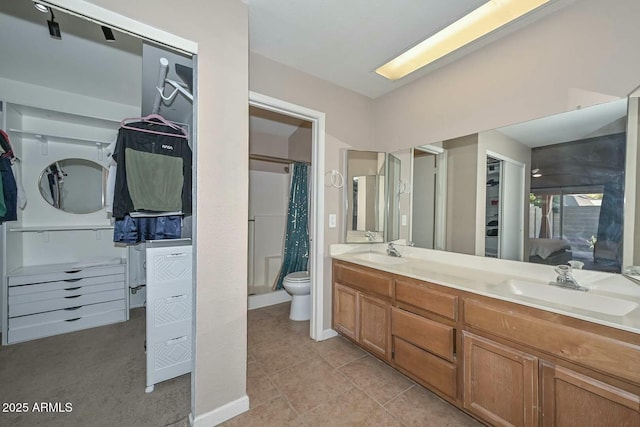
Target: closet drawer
171, 310
72, 291
72, 273
65, 284
65, 314
171, 357
61, 303
62, 326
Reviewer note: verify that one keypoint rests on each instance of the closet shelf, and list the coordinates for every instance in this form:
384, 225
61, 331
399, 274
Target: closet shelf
45, 137
45, 228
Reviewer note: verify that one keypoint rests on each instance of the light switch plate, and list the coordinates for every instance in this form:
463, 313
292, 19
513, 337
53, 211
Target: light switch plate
332, 220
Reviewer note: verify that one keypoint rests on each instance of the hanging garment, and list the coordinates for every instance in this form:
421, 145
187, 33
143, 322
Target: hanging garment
111, 179
135, 230
9, 191
5, 144
3, 205
154, 170
17, 175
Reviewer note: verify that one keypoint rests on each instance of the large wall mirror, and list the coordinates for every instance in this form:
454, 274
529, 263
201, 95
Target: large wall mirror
548, 191
74, 185
365, 196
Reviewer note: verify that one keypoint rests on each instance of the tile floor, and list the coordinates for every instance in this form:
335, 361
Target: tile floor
295, 381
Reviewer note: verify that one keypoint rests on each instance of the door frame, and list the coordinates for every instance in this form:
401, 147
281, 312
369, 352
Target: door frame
316, 258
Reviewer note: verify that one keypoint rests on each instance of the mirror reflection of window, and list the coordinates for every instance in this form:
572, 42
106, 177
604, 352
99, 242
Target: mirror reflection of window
74, 185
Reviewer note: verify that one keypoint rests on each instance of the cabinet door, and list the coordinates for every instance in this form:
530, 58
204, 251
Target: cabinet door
345, 311
500, 383
571, 399
375, 326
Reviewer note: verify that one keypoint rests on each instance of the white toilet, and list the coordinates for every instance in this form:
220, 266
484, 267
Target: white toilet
298, 285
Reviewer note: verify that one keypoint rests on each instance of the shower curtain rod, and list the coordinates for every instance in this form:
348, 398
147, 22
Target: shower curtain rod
275, 159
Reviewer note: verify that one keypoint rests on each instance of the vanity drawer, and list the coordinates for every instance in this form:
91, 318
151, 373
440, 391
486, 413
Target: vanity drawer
65, 284
62, 303
368, 281
72, 273
63, 326
426, 368
424, 333
72, 291
65, 314
592, 350
416, 294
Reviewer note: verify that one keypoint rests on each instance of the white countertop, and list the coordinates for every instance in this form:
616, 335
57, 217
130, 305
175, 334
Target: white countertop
489, 277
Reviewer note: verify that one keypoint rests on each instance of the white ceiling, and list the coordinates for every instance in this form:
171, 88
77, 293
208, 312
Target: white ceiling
601, 119
340, 41
345, 41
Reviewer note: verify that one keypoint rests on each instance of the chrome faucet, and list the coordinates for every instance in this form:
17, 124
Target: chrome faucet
392, 251
566, 280
370, 235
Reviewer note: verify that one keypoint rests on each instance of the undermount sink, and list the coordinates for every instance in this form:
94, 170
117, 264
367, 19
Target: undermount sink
572, 298
380, 258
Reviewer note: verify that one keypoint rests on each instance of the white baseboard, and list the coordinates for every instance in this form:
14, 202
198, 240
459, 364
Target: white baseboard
223, 413
328, 333
270, 298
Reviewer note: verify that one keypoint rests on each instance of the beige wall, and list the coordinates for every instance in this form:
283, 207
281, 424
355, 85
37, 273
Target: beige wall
348, 125
268, 145
551, 66
462, 164
221, 30
300, 144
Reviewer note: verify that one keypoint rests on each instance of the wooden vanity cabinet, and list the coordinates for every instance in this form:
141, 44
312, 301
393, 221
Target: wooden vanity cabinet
504, 363
571, 399
362, 308
500, 383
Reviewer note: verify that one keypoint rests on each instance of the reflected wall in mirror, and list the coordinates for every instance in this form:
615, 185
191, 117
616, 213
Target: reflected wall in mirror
566, 186
74, 185
365, 196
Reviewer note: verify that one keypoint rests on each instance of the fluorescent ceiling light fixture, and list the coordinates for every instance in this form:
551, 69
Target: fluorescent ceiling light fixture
487, 18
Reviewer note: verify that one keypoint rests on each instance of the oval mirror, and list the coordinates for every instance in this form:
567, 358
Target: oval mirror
74, 185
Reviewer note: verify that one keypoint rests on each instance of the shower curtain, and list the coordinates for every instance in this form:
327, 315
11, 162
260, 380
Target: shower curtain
296, 239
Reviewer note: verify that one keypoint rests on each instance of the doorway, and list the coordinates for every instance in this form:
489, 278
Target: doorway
316, 223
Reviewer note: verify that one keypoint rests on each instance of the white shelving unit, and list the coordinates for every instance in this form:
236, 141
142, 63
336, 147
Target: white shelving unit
492, 215
169, 309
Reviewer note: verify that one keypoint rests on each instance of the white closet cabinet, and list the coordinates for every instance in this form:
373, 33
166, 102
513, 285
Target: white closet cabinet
53, 299
169, 310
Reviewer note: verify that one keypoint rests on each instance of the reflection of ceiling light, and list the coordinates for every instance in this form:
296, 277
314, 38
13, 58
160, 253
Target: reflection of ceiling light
108, 34
54, 27
478, 23
535, 173
42, 8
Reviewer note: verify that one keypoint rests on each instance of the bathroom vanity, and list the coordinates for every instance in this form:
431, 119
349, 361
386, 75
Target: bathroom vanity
487, 343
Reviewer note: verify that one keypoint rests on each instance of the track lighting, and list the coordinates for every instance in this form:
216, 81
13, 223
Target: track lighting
54, 27
40, 7
108, 34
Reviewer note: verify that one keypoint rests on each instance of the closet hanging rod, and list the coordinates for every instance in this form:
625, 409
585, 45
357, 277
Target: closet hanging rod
275, 159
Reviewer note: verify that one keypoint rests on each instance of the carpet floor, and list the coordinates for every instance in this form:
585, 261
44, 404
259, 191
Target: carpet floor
99, 371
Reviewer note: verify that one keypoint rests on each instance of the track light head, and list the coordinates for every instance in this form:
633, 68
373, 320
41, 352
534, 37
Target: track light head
40, 7
54, 27
108, 34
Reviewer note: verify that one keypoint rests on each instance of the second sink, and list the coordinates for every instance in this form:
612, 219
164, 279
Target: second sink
585, 301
